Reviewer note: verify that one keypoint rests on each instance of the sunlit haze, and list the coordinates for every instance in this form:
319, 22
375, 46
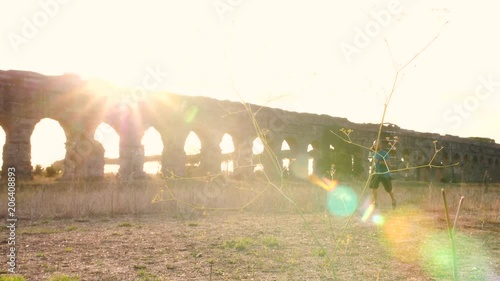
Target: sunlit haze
326, 57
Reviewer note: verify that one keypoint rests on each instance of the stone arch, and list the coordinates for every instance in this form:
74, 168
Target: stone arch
128, 122
439, 173
48, 144
342, 157
465, 160
152, 142
257, 146
152, 138
192, 149
300, 162
104, 132
456, 168
418, 157
475, 159
174, 157
315, 144
445, 158
319, 162
328, 158
286, 155
287, 144
108, 137
268, 155
205, 157
192, 144
310, 159
357, 160
258, 150
314, 164
210, 155
242, 155
405, 154
465, 167
227, 144
269, 159
403, 163
414, 157
227, 148
326, 165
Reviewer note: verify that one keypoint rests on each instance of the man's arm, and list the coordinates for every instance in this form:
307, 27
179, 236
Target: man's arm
387, 160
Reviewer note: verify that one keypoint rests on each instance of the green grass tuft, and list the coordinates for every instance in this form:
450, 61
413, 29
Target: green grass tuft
71, 228
240, 244
271, 242
319, 252
39, 230
139, 267
146, 276
12, 278
63, 277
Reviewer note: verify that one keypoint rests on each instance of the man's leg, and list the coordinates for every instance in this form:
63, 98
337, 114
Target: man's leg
374, 195
387, 182
394, 203
374, 185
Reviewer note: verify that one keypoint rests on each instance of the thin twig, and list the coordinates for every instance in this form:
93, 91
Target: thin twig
456, 215
452, 239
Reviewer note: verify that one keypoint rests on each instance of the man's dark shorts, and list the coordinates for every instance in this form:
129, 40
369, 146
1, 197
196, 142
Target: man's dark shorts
384, 179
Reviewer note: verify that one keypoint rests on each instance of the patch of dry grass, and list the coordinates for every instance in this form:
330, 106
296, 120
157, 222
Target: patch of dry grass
82, 200
188, 229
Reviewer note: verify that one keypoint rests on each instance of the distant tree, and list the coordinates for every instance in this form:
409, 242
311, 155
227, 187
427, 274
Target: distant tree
38, 170
58, 165
51, 171
480, 139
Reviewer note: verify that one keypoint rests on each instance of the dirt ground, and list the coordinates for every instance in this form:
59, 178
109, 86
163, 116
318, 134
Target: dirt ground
401, 244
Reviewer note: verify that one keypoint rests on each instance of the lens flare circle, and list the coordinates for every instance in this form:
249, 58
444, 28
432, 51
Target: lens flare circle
325, 183
472, 258
190, 114
341, 201
378, 219
405, 231
368, 212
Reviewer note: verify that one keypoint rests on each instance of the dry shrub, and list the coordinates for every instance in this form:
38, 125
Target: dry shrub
114, 197
81, 199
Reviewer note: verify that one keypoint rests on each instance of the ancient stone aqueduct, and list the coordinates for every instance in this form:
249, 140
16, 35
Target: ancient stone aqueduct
80, 106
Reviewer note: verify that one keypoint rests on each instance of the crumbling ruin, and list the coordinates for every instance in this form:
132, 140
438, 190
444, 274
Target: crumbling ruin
80, 106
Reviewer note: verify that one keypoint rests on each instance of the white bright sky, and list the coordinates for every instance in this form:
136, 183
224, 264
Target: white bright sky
283, 53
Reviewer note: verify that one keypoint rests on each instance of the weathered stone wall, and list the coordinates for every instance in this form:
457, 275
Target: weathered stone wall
80, 106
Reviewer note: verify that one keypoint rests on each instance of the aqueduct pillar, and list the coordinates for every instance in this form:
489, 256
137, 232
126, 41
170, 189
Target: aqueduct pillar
17, 148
